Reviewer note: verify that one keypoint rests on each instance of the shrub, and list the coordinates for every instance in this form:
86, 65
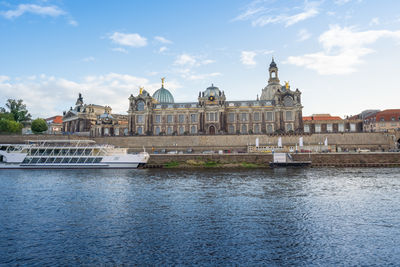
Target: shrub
39, 126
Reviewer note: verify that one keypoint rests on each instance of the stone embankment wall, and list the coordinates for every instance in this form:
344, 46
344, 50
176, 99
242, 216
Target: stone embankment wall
318, 159
375, 141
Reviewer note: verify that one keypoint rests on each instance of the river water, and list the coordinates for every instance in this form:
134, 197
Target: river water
324, 216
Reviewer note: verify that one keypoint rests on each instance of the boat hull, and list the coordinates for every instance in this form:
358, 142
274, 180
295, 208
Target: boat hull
127, 165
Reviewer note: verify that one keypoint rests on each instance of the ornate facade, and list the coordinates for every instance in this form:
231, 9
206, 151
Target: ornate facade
279, 110
93, 120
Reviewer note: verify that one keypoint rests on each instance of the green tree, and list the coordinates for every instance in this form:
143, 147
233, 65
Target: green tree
10, 126
39, 126
18, 110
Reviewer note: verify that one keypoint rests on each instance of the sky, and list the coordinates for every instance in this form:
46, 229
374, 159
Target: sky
343, 55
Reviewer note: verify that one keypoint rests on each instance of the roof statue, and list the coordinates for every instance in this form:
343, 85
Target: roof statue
141, 90
287, 85
162, 82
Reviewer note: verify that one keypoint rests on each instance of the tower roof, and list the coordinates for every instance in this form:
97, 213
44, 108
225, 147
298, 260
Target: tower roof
273, 64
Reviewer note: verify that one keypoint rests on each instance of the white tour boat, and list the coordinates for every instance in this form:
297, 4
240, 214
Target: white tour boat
68, 154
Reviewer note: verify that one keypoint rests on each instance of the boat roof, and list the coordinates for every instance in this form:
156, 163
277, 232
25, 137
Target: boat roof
61, 141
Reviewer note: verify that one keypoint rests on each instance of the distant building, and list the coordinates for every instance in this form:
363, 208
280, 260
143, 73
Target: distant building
325, 123
54, 125
95, 120
278, 110
108, 124
383, 121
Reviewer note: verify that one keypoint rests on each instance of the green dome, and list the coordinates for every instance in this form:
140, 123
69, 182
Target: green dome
162, 95
211, 91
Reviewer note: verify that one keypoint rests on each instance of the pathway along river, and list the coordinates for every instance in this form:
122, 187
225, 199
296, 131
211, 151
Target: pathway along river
219, 217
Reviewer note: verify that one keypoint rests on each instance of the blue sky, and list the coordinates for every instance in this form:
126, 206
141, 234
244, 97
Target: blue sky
343, 55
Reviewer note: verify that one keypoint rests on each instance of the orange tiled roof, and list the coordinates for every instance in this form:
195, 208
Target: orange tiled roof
388, 114
55, 119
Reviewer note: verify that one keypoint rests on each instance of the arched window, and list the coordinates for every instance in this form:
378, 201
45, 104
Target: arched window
140, 105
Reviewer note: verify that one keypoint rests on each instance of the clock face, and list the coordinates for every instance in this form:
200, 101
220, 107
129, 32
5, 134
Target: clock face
211, 98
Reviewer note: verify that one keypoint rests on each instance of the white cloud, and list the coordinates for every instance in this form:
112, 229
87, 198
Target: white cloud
343, 50
120, 49
111, 89
267, 14
4, 78
52, 11
73, 22
247, 58
207, 61
162, 40
303, 35
128, 39
185, 59
162, 49
192, 61
88, 59
374, 21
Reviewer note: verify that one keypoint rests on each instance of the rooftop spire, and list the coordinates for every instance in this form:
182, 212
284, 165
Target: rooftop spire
162, 82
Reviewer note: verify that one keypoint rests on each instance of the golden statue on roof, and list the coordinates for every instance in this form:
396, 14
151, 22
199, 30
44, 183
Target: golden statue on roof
287, 85
141, 90
162, 81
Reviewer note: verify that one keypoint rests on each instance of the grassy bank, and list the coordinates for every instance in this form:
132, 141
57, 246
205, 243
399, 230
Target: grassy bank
211, 164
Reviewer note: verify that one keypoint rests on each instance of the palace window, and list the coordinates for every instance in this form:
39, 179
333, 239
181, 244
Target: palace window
243, 116
193, 118
157, 131
169, 130
257, 129
181, 118
231, 117
352, 127
289, 127
306, 128
289, 116
212, 116
158, 118
329, 128
256, 116
244, 129
140, 118
269, 116
270, 129
170, 119
140, 105
341, 127
140, 130
317, 128
181, 129
231, 129
193, 130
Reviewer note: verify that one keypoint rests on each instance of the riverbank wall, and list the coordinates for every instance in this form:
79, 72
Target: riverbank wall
199, 143
370, 159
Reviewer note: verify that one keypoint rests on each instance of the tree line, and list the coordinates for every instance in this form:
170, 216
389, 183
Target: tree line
14, 116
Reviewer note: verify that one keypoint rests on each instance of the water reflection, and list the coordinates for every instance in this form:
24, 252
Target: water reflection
207, 217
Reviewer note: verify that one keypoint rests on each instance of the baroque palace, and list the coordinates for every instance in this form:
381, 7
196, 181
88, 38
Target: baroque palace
278, 110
